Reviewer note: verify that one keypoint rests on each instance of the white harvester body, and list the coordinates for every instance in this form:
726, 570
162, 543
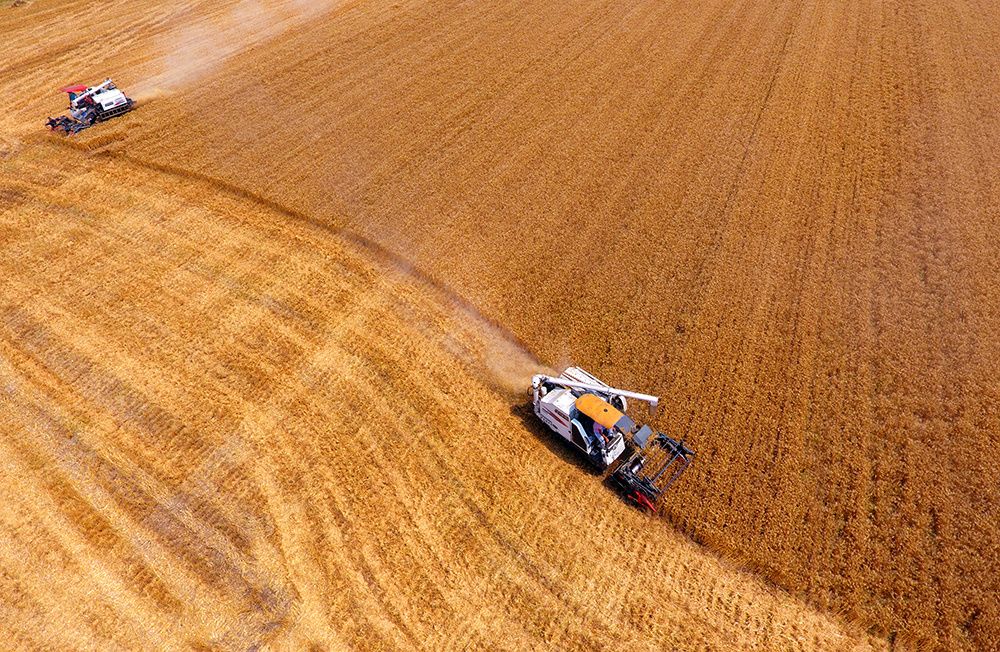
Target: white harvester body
89, 105
105, 98
590, 414
584, 411
109, 99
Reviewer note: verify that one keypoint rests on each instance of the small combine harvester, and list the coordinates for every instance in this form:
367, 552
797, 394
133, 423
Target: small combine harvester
590, 414
89, 105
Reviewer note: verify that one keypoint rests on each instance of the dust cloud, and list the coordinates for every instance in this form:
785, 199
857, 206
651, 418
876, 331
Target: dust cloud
491, 353
205, 41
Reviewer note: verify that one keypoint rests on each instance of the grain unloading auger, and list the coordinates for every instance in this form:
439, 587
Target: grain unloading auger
591, 415
89, 105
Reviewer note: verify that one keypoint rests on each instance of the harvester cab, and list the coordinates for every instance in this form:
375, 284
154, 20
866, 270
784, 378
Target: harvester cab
591, 415
89, 105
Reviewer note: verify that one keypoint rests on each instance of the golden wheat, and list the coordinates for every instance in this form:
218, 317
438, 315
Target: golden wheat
780, 216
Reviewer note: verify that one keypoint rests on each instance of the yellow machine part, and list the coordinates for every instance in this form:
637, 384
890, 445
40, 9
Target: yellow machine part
598, 409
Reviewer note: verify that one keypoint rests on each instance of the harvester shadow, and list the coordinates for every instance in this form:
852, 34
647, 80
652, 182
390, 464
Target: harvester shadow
552, 441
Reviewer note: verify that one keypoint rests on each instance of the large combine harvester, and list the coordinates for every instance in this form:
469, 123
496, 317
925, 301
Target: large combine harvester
591, 415
89, 105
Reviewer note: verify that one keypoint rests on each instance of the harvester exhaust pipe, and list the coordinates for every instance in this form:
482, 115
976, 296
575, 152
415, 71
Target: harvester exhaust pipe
537, 380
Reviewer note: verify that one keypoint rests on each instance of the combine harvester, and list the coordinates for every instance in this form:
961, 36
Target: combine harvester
89, 105
590, 414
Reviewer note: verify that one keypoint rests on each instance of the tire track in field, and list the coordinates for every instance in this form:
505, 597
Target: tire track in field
192, 532
722, 231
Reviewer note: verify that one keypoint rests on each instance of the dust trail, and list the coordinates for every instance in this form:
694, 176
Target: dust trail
146, 94
491, 352
204, 42
486, 348
508, 363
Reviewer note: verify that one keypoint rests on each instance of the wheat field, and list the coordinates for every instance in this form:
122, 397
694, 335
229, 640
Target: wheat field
264, 341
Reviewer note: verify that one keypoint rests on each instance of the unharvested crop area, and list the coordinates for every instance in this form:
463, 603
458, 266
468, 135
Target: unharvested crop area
260, 339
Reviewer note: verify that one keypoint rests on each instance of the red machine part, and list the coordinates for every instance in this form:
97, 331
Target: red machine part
641, 500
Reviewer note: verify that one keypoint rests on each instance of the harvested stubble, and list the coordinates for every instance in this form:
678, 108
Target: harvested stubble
780, 216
